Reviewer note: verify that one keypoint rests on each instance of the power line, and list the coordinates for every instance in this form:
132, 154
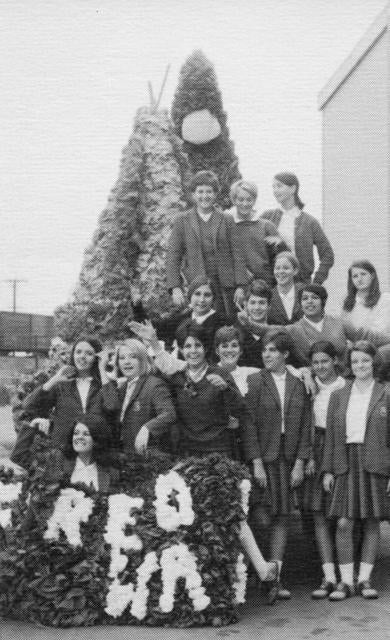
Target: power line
14, 282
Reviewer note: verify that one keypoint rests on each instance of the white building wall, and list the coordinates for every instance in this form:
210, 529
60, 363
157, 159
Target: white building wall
356, 169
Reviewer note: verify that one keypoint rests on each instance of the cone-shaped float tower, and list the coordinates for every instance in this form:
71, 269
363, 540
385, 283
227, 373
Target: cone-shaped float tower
125, 263
200, 120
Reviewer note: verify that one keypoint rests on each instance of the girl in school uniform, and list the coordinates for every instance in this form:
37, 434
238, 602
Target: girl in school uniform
323, 357
365, 305
84, 459
285, 307
146, 409
205, 397
281, 445
356, 467
75, 390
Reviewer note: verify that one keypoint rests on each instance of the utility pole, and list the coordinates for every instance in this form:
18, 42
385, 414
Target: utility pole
14, 282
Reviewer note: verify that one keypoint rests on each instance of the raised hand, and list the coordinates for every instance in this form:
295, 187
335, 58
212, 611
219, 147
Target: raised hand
217, 381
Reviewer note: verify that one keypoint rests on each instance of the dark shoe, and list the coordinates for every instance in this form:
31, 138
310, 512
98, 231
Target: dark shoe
323, 591
341, 592
367, 591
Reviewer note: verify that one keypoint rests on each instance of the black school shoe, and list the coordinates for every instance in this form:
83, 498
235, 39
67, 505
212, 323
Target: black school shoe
323, 591
341, 592
367, 591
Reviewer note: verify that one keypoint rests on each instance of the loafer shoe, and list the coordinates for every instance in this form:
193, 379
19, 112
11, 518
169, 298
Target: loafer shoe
323, 590
341, 592
283, 593
367, 591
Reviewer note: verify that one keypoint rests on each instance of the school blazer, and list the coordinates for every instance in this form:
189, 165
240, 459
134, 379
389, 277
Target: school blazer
376, 456
308, 234
266, 413
57, 465
277, 313
62, 405
151, 406
185, 254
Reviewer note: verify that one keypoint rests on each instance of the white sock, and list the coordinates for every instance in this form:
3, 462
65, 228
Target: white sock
365, 570
329, 572
346, 571
279, 563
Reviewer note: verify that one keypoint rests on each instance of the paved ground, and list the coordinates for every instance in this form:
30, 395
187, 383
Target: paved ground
298, 619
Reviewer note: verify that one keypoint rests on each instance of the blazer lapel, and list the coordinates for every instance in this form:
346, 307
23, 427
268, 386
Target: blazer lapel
137, 389
291, 382
216, 219
376, 395
194, 222
346, 394
270, 384
93, 388
279, 307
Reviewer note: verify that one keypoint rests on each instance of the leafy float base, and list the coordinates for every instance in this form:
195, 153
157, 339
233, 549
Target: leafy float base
54, 583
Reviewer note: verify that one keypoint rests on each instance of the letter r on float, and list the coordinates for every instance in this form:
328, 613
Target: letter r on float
71, 508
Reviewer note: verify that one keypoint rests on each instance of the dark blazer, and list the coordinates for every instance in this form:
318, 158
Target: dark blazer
277, 313
251, 349
63, 405
376, 457
57, 465
308, 234
150, 406
185, 255
265, 409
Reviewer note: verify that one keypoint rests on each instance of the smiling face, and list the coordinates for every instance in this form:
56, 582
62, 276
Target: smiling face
193, 352
229, 353
84, 356
362, 365
82, 441
273, 359
284, 271
361, 279
244, 202
323, 367
204, 197
283, 193
257, 308
202, 300
311, 305
128, 362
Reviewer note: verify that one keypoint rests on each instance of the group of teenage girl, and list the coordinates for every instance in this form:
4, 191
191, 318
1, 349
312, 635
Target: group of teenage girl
252, 368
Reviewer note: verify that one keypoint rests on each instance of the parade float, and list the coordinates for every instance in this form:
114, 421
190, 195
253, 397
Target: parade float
123, 269
161, 549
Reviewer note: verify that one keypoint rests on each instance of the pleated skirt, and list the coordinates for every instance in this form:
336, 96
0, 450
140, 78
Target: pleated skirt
358, 494
313, 496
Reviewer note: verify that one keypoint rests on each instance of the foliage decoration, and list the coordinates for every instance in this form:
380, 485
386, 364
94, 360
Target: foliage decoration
125, 262
186, 576
198, 90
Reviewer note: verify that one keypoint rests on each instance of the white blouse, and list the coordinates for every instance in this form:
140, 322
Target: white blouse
83, 386
321, 400
280, 382
85, 473
376, 318
356, 418
286, 226
288, 300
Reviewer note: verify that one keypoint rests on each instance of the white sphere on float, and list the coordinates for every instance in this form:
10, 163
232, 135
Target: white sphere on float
200, 127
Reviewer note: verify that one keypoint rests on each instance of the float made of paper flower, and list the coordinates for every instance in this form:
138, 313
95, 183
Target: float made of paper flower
162, 549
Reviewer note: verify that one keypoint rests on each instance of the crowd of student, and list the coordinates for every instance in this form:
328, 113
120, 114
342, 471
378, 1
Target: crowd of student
252, 367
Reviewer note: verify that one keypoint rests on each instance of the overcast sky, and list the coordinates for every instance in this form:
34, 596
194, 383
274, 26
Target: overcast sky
74, 72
